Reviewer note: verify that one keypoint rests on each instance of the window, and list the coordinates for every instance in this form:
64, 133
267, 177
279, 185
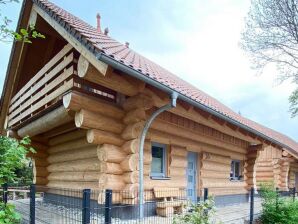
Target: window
158, 165
235, 170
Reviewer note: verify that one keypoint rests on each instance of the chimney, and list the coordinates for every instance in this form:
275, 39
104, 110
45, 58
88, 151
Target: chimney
106, 31
98, 22
127, 44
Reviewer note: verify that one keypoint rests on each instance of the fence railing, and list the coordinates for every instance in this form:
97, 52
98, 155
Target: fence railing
58, 205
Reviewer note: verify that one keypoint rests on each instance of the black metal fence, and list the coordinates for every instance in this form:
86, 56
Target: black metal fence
41, 204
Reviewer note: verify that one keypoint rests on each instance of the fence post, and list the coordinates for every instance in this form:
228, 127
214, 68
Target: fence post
5, 193
86, 206
32, 203
294, 193
252, 201
108, 206
205, 194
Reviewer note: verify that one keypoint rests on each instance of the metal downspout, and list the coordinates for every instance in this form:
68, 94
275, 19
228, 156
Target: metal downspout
172, 104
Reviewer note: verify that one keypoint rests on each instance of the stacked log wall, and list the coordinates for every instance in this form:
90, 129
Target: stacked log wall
135, 116
39, 160
292, 174
215, 175
268, 168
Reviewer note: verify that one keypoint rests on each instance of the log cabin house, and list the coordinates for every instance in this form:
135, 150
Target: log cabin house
84, 98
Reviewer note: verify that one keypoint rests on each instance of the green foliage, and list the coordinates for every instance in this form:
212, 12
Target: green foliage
200, 213
13, 157
293, 99
7, 35
8, 214
276, 209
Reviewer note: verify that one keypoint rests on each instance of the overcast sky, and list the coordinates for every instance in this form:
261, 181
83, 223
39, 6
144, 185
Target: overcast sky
197, 40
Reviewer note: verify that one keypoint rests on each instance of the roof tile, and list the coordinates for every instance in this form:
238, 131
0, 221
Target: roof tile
145, 66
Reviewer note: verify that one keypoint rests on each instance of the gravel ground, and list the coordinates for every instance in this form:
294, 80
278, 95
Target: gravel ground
53, 214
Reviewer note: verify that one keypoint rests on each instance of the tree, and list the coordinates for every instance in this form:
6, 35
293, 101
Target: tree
8, 35
271, 37
13, 157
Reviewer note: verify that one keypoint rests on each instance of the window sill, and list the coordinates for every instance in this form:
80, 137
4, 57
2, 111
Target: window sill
236, 180
160, 178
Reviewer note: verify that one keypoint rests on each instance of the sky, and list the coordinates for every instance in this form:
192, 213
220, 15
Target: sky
198, 40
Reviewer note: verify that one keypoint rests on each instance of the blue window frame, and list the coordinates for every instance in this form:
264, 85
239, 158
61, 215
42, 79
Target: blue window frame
158, 165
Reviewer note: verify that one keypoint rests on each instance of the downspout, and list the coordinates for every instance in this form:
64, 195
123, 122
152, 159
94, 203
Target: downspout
172, 104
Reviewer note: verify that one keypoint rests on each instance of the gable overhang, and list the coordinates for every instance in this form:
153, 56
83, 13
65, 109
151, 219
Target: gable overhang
98, 59
13, 65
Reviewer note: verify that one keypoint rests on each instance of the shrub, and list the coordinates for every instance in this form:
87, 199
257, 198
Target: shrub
8, 214
276, 209
199, 213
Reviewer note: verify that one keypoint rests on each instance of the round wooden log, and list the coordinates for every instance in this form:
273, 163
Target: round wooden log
132, 131
196, 145
285, 153
216, 158
112, 168
40, 162
68, 146
135, 116
264, 174
76, 101
106, 77
131, 177
116, 197
177, 171
177, 182
130, 163
92, 164
264, 179
90, 120
207, 182
103, 137
45, 123
193, 135
147, 170
74, 176
39, 146
215, 174
138, 101
40, 181
110, 153
70, 136
40, 171
178, 151
75, 154
130, 191
207, 165
147, 158
85, 68
131, 146
41, 154
73, 185
226, 191
178, 161
111, 181
264, 169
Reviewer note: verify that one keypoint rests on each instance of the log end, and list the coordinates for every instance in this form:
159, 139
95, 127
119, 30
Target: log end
66, 100
90, 136
79, 118
83, 66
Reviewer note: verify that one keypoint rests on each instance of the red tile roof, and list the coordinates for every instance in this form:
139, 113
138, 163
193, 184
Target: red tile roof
146, 67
